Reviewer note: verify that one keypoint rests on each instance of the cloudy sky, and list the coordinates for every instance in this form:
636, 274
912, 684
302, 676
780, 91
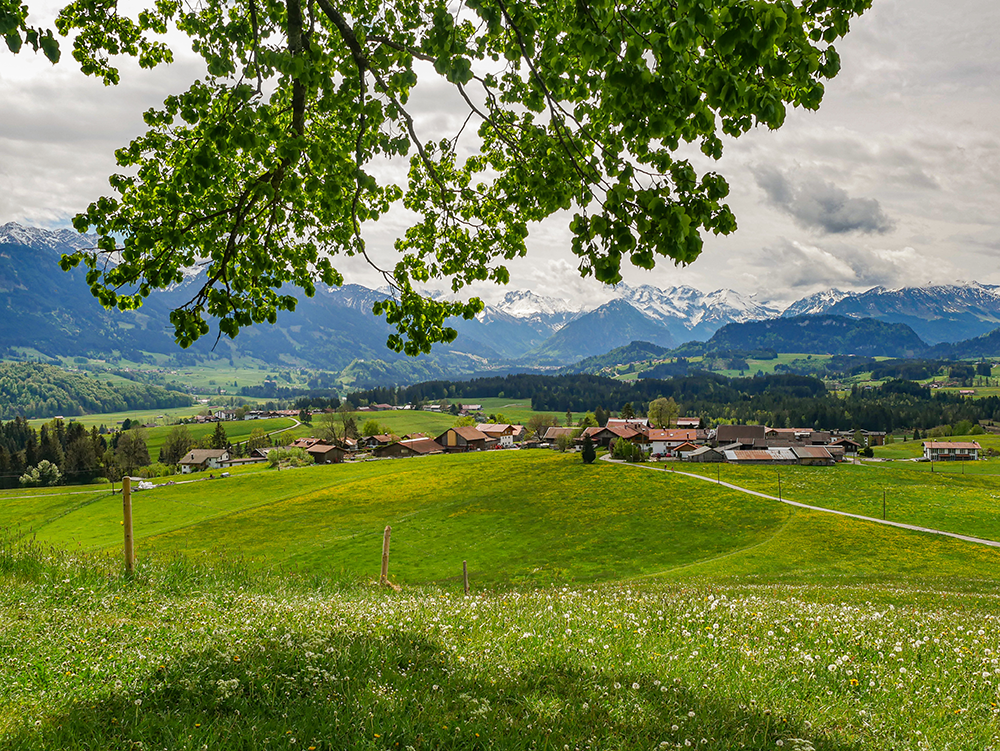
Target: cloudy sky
894, 182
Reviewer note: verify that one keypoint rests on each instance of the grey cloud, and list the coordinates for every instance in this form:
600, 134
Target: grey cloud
818, 204
801, 268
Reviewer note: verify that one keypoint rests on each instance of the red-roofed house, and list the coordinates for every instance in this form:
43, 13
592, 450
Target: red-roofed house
663, 442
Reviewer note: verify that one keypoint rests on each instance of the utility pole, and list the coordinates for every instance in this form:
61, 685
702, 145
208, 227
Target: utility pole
779, 485
883, 504
127, 523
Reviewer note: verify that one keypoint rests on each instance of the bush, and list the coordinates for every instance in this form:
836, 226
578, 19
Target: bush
46, 473
291, 457
157, 470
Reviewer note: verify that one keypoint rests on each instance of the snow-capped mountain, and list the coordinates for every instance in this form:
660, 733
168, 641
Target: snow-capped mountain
938, 312
692, 314
526, 304
61, 240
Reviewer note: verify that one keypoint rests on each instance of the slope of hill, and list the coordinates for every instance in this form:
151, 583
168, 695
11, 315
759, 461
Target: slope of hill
632, 352
33, 390
838, 335
614, 324
987, 345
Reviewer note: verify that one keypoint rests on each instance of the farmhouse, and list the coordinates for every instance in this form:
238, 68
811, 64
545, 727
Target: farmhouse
665, 442
463, 438
602, 437
374, 441
745, 435
813, 455
938, 451
761, 456
503, 433
197, 460
705, 454
324, 453
692, 423
553, 433
409, 447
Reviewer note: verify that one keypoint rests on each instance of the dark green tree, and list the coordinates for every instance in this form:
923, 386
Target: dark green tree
588, 450
218, 440
627, 412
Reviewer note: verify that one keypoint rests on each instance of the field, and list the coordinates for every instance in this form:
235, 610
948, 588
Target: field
612, 607
237, 431
114, 419
913, 449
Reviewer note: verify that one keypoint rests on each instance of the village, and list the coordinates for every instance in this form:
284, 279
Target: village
688, 441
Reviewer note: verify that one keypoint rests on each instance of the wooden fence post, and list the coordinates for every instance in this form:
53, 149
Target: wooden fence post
127, 521
465, 576
385, 556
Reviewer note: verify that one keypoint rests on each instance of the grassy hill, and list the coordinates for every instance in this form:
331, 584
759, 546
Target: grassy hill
611, 607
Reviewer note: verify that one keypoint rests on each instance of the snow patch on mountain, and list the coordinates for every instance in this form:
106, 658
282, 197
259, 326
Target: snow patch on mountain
692, 308
60, 240
815, 304
526, 304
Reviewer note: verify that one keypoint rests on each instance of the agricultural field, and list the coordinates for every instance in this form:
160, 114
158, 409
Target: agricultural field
962, 503
403, 421
113, 420
911, 449
611, 607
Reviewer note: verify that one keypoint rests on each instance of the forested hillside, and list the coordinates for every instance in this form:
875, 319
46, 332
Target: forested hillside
777, 400
33, 390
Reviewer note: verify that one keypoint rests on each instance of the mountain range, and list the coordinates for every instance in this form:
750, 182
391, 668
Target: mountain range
52, 313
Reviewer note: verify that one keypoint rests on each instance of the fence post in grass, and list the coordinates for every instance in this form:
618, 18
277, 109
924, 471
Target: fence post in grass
465, 576
127, 522
384, 580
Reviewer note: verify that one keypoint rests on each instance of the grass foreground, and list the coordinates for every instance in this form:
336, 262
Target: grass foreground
199, 656
611, 608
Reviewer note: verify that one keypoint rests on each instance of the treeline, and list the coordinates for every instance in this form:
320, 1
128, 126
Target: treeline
76, 454
776, 400
34, 390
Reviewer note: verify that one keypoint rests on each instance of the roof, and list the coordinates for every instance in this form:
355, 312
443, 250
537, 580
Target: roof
741, 433
687, 447
952, 445
692, 422
200, 456
811, 452
658, 434
701, 450
750, 456
423, 445
323, 448
384, 438
489, 428
469, 433
622, 423
554, 432
761, 455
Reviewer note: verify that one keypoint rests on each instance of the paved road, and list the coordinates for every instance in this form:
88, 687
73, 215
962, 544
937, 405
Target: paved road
900, 525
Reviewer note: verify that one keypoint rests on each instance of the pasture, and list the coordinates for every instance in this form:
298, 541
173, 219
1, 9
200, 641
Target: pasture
612, 607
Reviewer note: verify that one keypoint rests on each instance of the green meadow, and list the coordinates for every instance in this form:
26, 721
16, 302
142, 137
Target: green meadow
950, 501
611, 607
